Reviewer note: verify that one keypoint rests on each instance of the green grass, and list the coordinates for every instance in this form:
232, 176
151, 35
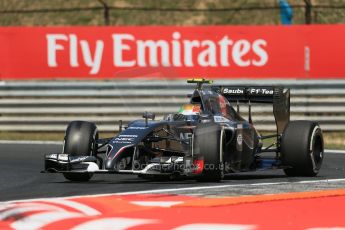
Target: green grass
335, 140
156, 17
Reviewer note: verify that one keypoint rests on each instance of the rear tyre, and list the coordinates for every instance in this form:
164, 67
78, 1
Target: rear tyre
302, 148
208, 141
80, 140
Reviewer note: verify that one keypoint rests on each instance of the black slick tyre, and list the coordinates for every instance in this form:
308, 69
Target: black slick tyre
80, 140
208, 144
302, 148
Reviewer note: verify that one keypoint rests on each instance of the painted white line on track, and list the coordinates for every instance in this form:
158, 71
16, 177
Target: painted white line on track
164, 204
78, 206
38, 220
155, 191
230, 186
17, 211
334, 151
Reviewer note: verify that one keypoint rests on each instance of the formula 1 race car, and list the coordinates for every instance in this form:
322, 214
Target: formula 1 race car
206, 139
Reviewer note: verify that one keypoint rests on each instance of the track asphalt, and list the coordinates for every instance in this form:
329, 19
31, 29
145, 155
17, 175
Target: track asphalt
21, 179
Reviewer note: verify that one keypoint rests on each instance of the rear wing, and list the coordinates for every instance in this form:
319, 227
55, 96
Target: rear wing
279, 97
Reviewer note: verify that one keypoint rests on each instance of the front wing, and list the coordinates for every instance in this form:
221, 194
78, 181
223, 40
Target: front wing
64, 163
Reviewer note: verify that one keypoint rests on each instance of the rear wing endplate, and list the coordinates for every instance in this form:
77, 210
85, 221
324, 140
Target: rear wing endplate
278, 96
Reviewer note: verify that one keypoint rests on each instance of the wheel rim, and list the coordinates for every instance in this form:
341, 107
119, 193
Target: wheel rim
221, 162
317, 152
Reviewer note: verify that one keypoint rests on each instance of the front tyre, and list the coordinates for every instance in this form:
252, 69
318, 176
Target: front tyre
80, 140
208, 142
302, 148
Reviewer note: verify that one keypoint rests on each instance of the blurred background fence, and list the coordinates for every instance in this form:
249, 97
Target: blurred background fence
166, 12
49, 106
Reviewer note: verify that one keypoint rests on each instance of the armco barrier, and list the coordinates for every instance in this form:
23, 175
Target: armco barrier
50, 105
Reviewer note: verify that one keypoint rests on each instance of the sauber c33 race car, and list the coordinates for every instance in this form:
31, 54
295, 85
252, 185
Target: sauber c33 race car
206, 139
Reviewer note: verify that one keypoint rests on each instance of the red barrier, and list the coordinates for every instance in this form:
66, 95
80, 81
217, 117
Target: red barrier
209, 51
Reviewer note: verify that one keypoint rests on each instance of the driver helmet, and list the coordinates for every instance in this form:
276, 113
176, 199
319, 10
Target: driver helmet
190, 111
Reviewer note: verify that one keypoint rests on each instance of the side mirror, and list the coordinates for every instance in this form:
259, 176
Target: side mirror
147, 116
